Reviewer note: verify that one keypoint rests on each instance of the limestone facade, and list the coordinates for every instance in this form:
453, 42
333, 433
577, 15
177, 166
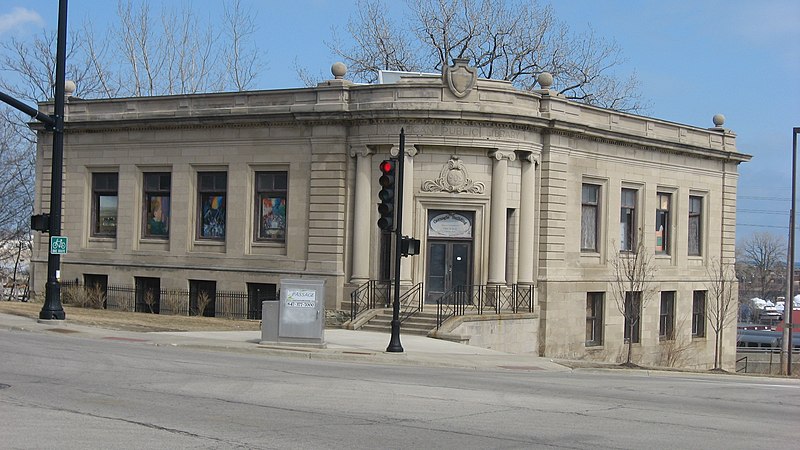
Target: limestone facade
493, 188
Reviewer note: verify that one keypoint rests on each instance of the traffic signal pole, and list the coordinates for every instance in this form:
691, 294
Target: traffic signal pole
394, 343
52, 309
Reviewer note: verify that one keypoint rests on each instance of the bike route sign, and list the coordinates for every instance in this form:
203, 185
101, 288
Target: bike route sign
58, 245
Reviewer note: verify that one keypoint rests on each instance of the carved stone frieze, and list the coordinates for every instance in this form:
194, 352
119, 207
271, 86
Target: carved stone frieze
455, 179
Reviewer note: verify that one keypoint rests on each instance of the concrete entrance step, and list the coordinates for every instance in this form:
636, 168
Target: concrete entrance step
420, 323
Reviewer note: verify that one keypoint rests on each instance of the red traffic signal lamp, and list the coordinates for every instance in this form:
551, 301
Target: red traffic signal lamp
387, 194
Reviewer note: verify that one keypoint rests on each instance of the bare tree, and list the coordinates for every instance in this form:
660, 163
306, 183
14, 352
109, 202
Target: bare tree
16, 185
175, 52
169, 52
307, 78
378, 43
33, 64
675, 351
242, 59
505, 40
633, 288
186, 54
723, 307
177, 58
763, 260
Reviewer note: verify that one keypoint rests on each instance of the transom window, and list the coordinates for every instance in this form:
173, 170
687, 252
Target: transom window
104, 204
212, 199
157, 204
271, 207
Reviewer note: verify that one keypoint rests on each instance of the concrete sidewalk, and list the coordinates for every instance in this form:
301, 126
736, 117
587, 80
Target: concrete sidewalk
343, 345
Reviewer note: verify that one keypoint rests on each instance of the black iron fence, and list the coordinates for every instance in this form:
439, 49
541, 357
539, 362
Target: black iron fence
484, 299
227, 304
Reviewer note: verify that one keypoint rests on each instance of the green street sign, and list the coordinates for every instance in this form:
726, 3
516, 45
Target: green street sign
58, 245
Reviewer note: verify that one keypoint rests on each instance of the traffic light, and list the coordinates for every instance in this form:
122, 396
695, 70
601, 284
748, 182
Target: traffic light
386, 195
409, 246
40, 222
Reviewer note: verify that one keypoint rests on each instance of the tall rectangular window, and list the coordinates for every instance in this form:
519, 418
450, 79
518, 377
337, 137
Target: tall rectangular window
594, 318
666, 321
156, 204
633, 313
695, 225
663, 223
212, 199
590, 196
271, 207
699, 313
627, 220
104, 204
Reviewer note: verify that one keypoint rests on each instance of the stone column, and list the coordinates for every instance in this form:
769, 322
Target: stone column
498, 219
408, 205
527, 219
362, 230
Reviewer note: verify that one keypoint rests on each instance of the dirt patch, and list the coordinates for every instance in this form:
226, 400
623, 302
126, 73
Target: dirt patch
131, 321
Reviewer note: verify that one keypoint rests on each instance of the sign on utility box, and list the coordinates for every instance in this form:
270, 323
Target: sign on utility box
58, 245
301, 314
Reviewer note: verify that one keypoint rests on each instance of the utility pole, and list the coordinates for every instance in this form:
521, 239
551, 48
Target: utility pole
788, 304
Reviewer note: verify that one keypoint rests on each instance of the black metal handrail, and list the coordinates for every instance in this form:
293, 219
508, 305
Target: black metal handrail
744, 358
408, 303
368, 296
484, 299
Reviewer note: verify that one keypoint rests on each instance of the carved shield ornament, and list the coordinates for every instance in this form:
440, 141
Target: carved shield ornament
453, 178
461, 78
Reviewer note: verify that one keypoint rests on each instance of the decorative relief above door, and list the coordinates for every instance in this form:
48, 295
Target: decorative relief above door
455, 179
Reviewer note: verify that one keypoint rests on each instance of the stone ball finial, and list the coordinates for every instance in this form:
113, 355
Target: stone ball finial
338, 69
545, 80
719, 120
69, 88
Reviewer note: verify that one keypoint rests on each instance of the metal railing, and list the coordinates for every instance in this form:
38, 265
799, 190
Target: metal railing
411, 301
370, 295
484, 299
743, 369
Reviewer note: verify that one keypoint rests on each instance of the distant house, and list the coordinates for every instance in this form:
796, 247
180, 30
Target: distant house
506, 190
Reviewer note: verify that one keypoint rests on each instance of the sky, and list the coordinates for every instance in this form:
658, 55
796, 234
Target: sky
694, 59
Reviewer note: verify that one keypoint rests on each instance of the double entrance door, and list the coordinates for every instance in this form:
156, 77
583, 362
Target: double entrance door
449, 253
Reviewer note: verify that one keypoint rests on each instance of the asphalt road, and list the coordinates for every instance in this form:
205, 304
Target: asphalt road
67, 392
